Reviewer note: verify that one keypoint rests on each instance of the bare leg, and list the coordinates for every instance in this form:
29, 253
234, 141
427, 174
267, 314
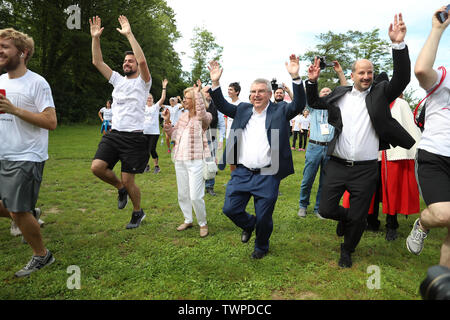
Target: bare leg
133, 190
31, 232
445, 252
167, 140
3, 212
437, 215
100, 169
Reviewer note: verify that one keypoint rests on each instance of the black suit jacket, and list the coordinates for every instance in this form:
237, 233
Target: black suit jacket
277, 124
381, 94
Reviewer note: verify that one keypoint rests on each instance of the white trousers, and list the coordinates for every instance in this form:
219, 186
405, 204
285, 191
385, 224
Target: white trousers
191, 190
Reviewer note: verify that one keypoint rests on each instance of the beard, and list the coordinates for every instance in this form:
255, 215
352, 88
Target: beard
279, 99
11, 64
129, 73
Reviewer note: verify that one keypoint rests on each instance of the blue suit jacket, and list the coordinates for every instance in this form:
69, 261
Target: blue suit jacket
277, 127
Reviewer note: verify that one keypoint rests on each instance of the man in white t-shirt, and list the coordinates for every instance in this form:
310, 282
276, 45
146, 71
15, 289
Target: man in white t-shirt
105, 115
433, 151
126, 141
27, 112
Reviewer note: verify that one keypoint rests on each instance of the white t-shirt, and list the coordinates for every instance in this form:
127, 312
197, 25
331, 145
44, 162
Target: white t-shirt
129, 99
436, 135
20, 140
151, 122
296, 121
175, 112
304, 122
107, 113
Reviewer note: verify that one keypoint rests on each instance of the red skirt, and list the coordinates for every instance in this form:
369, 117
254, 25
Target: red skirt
400, 191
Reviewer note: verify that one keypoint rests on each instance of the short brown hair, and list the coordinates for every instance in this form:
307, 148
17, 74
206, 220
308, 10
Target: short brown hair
21, 40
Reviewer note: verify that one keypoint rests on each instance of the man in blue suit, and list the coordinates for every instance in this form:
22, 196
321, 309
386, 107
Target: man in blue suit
261, 151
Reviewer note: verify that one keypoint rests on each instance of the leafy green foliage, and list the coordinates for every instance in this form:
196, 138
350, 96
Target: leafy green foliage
205, 50
347, 48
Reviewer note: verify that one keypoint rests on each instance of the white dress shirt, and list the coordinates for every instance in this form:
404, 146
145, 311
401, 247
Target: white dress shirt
358, 140
254, 148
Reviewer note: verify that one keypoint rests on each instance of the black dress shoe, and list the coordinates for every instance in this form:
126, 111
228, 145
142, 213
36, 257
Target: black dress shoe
391, 234
345, 261
258, 254
246, 235
340, 229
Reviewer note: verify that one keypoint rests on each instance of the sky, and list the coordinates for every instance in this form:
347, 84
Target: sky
258, 36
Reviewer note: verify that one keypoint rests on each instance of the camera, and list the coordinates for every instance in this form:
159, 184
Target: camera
436, 285
442, 16
274, 84
323, 62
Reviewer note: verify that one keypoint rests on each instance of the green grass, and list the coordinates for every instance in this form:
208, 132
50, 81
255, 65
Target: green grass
83, 227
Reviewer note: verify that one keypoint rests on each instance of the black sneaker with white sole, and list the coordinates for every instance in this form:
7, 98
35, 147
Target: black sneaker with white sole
36, 263
136, 219
122, 198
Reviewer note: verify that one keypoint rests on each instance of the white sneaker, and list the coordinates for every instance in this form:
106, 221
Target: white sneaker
317, 214
15, 231
414, 242
302, 212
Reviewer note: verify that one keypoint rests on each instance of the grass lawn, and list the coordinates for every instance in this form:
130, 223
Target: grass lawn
83, 227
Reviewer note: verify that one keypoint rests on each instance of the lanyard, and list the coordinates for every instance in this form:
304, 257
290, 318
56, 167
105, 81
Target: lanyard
444, 73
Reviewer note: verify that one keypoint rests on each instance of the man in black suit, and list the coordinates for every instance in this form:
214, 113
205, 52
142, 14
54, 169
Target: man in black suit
363, 126
261, 151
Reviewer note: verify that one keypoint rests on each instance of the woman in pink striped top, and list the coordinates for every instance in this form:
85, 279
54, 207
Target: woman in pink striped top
191, 147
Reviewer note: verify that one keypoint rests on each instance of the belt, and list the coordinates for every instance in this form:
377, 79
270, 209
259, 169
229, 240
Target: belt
253, 170
319, 143
351, 163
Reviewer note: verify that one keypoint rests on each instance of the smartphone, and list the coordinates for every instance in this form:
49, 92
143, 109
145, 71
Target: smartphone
443, 15
2, 92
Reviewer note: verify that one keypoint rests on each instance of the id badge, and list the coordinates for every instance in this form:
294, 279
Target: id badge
324, 129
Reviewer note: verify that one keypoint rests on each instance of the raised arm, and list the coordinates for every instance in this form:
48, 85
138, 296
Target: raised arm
163, 93
402, 64
338, 69
299, 99
137, 50
97, 57
423, 69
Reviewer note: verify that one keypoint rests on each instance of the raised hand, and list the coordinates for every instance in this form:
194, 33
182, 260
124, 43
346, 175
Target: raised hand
215, 71
125, 26
337, 67
96, 27
397, 30
314, 70
164, 83
198, 87
293, 66
436, 23
166, 114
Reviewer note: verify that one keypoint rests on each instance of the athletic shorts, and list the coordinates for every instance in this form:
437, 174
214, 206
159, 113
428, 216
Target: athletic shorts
131, 148
20, 184
433, 176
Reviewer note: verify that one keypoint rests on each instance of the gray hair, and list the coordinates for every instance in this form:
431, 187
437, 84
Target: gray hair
264, 81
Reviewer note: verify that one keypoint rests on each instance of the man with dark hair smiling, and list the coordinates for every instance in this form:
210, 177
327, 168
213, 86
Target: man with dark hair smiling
126, 142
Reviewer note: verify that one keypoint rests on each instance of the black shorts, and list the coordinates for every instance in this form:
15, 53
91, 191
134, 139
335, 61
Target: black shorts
433, 176
131, 148
20, 184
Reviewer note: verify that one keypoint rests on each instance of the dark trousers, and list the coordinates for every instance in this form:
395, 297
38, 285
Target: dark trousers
360, 181
264, 189
152, 142
296, 135
303, 138
372, 219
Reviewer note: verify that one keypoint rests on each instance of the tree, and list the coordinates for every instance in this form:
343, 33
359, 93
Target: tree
347, 48
205, 49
